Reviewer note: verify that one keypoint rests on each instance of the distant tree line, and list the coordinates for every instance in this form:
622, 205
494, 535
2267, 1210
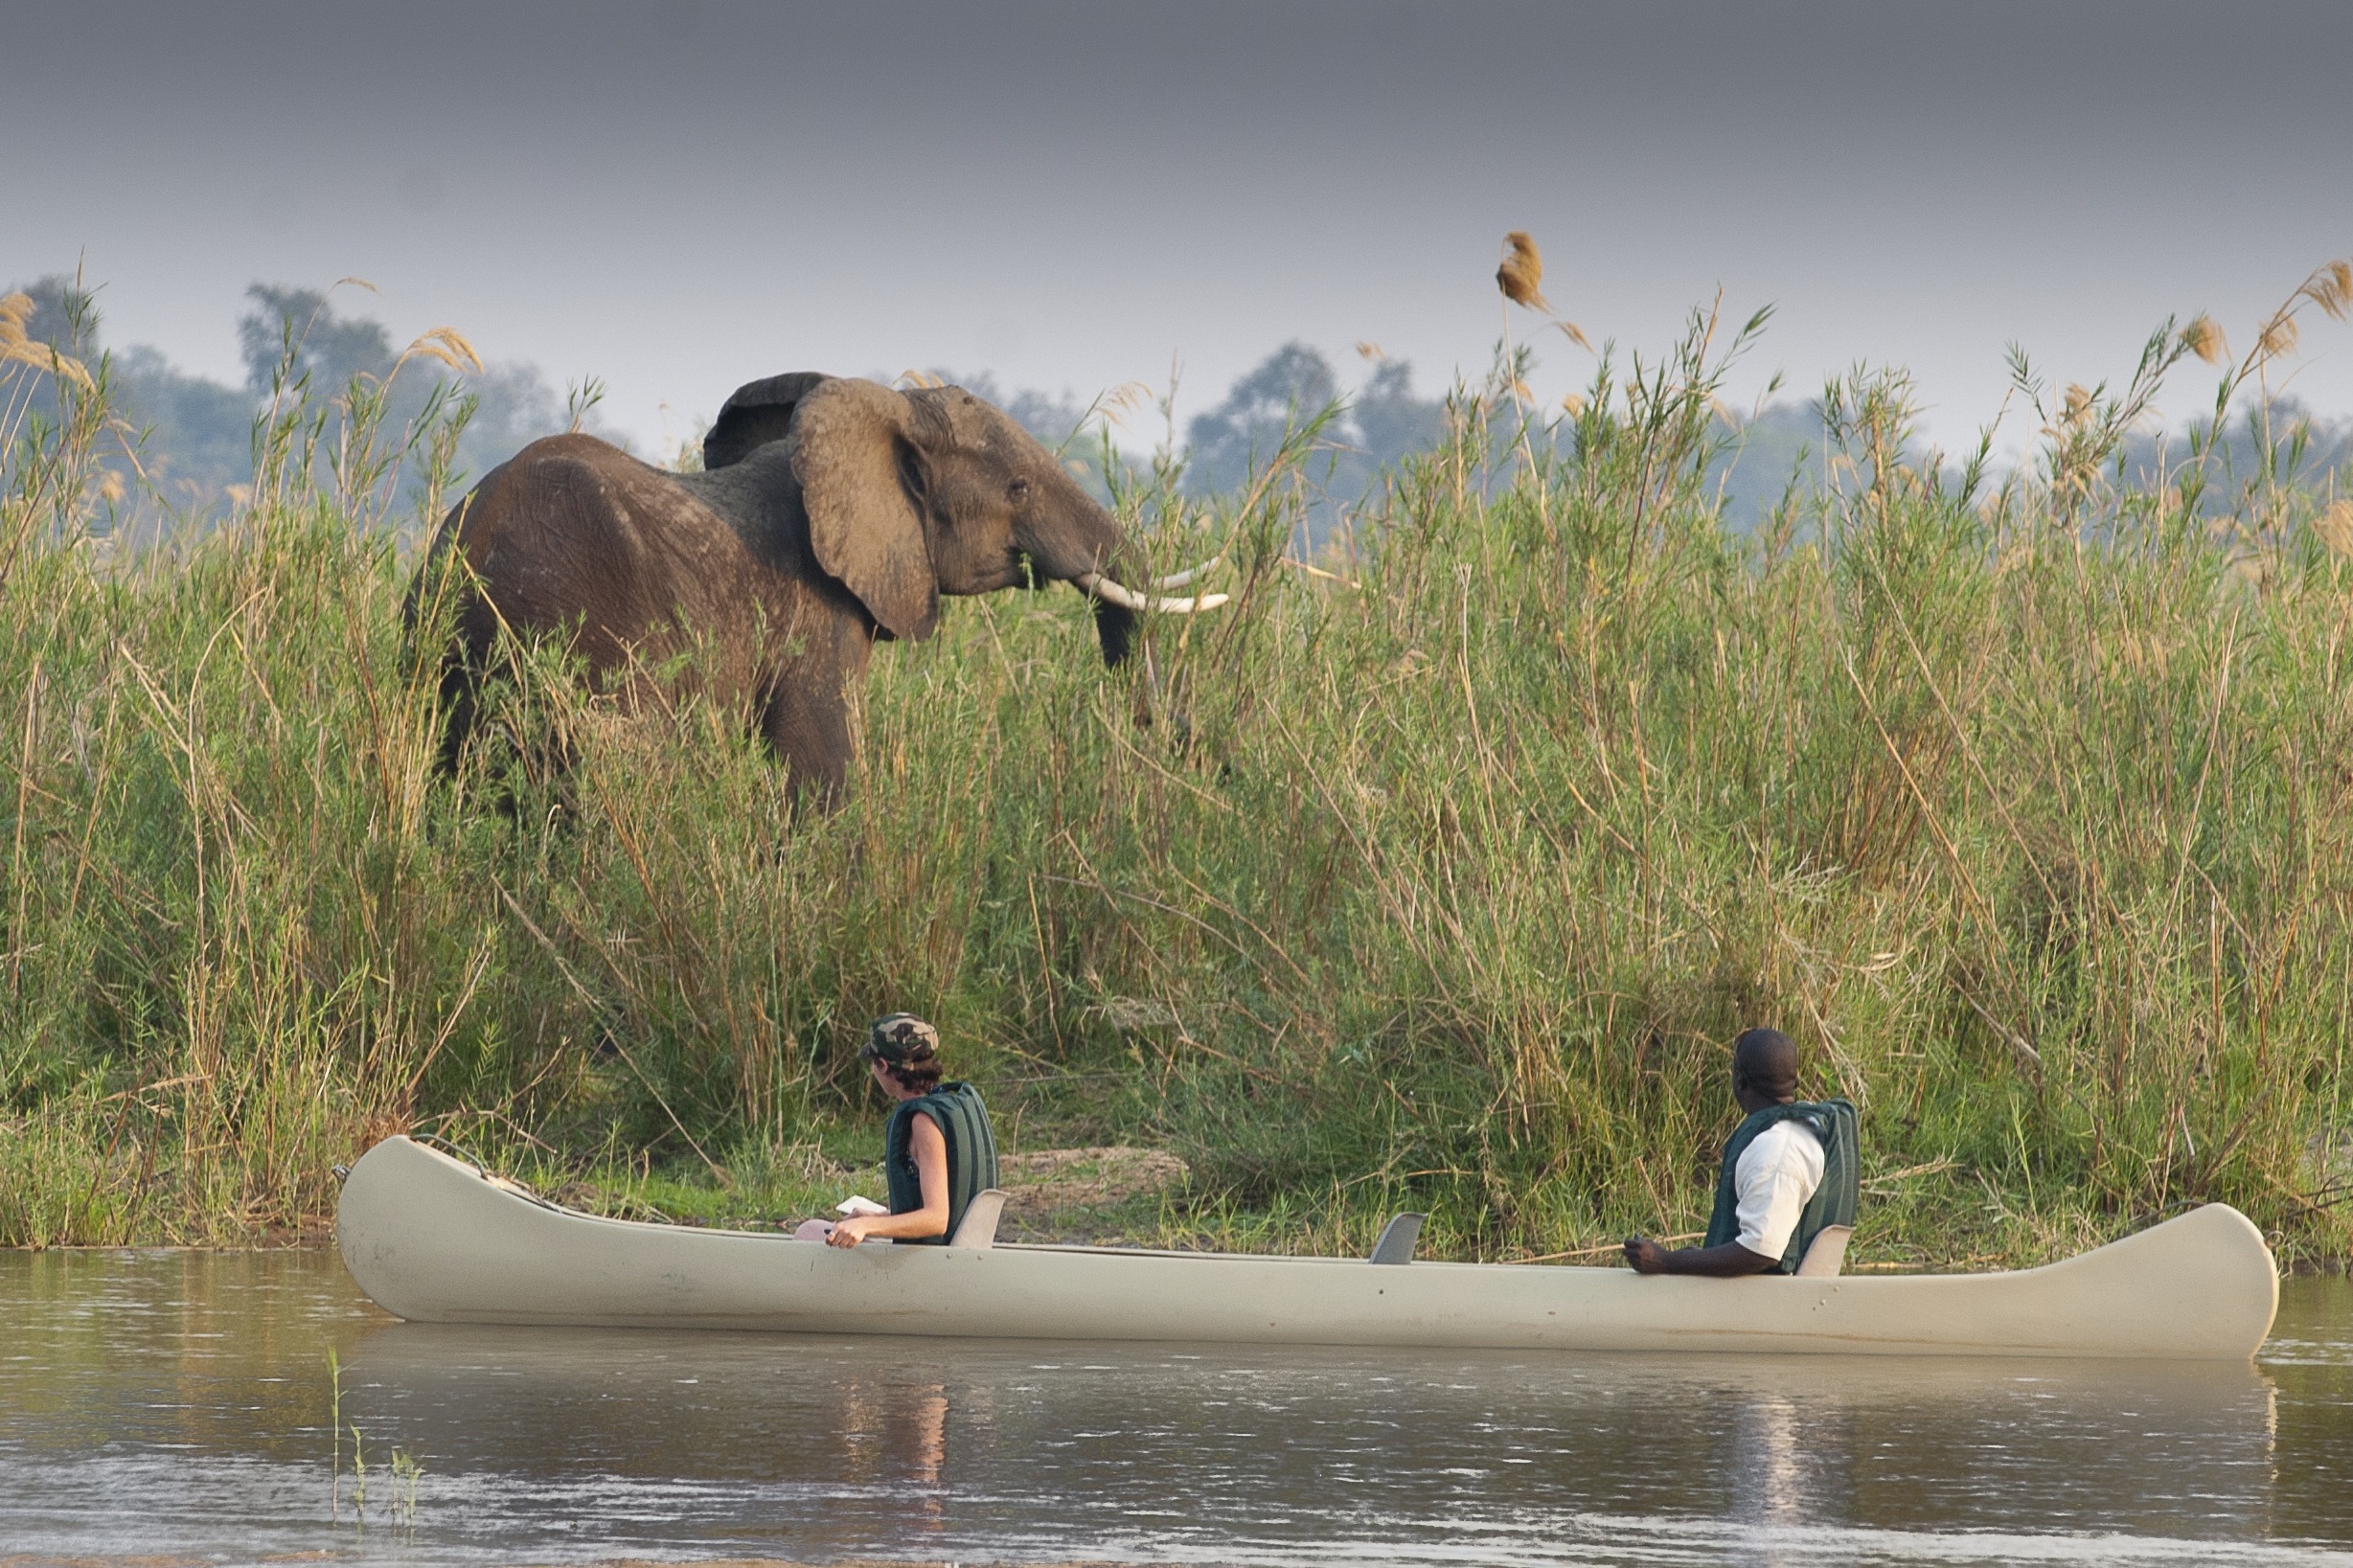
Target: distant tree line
188, 442
1783, 452
190, 439
1228, 448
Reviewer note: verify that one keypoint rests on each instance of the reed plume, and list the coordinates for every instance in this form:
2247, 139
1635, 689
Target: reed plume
16, 347
1521, 275
446, 345
2204, 338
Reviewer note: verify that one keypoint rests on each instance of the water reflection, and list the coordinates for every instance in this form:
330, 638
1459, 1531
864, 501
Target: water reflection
1766, 1469
177, 1402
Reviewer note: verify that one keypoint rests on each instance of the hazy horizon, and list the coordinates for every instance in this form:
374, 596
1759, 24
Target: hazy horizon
682, 197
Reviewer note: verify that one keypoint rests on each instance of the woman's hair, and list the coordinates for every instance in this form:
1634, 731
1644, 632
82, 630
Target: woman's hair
922, 1076
908, 1049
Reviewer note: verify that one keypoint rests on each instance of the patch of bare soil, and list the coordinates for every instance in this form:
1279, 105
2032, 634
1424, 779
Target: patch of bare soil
1081, 1195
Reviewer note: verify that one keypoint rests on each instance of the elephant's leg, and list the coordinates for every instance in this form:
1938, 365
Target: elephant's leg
460, 703
433, 633
805, 712
806, 722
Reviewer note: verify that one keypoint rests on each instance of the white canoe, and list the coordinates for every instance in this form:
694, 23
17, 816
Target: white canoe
433, 1240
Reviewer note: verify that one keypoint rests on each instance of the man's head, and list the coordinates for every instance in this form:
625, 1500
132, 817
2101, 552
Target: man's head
906, 1049
1764, 1068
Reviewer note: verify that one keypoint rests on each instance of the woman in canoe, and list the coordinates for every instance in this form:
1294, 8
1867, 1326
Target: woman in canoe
938, 1151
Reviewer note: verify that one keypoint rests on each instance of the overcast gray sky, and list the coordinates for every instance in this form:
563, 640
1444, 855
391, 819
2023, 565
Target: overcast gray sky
682, 195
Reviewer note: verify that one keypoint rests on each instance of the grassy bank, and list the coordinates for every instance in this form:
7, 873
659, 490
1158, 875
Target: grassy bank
1437, 881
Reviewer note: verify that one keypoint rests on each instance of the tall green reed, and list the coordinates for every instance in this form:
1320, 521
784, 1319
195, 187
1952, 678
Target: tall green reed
1439, 880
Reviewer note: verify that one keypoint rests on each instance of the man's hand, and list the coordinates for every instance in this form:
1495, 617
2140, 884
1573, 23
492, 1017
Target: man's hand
1729, 1261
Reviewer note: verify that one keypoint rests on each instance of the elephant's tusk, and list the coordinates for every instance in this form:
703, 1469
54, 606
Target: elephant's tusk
1128, 598
1177, 580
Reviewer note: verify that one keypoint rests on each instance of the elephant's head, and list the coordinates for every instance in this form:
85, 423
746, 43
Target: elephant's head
915, 494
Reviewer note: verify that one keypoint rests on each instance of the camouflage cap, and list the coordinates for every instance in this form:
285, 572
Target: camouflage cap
900, 1039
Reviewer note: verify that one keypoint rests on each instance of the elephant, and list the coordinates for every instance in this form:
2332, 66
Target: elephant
830, 513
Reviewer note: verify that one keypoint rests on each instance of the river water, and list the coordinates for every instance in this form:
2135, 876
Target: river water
175, 1405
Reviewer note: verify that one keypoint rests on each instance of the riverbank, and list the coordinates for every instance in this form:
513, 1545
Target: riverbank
1436, 877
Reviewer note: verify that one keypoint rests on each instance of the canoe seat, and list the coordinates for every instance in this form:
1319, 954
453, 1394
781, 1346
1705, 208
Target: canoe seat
1826, 1256
1398, 1239
978, 1228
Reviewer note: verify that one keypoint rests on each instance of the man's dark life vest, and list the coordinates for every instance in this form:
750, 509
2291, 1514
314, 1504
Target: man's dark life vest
972, 1152
1832, 1202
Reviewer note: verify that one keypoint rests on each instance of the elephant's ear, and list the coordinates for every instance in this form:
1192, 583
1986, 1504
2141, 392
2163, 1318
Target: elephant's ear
755, 414
851, 455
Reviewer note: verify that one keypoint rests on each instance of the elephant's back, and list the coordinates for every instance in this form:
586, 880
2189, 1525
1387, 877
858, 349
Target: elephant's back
572, 529
575, 495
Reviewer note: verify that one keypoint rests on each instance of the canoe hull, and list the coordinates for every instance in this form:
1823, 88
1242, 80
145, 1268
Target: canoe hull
428, 1239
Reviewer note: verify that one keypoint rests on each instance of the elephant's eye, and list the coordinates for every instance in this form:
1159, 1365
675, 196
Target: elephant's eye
1017, 492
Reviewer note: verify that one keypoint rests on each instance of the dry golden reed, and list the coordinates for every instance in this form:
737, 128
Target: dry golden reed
1521, 278
2203, 337
2334, 526
447, 345
2331, 288
1123, 400
1522, 275
16, 347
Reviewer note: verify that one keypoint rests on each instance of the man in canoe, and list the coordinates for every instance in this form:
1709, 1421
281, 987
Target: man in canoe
938, 1151
1788, 1172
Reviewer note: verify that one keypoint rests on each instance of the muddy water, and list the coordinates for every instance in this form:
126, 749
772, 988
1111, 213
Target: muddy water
176, 1405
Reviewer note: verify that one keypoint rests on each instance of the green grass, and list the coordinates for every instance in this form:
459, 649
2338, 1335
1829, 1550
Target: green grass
2028, 810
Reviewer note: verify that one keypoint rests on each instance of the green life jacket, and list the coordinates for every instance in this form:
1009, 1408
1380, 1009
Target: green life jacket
1832, 1203
963, 1122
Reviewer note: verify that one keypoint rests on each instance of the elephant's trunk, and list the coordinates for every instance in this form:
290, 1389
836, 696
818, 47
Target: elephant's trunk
1117, 605
1116, 626
1087, 567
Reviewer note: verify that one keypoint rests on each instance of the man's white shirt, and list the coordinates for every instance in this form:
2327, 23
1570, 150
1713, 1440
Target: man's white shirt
1775, 1175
